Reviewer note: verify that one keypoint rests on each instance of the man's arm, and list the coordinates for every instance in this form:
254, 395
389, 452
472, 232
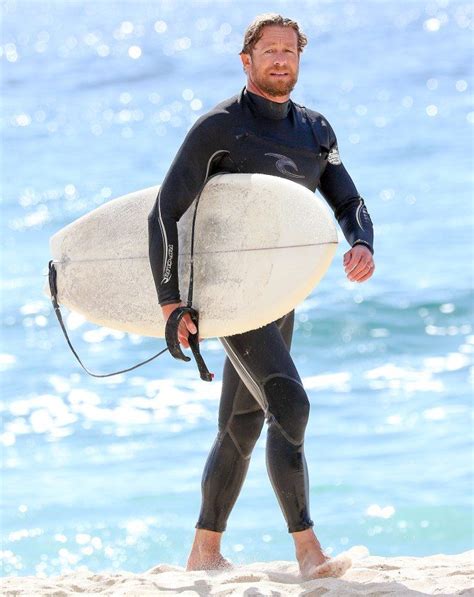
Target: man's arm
183, 182
337, 187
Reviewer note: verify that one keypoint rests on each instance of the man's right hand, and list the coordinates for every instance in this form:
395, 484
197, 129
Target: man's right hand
186, 325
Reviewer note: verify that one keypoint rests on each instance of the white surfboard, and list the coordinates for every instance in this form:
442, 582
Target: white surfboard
262, 243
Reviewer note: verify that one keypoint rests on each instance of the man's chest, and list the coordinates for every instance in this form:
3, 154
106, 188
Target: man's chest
295, 155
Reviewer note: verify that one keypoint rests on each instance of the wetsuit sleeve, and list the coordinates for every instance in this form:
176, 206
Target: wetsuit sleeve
337, 187
181, 186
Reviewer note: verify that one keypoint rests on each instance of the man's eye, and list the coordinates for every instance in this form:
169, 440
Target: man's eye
268, 51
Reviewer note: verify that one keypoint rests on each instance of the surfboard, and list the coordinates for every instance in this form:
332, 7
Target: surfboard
262, 243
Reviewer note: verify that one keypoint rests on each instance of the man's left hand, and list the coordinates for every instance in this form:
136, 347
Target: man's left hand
359, 264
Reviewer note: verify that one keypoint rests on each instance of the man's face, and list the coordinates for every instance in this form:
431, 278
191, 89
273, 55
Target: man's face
273, 63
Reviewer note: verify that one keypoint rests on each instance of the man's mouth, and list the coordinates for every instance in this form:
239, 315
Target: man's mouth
279, 74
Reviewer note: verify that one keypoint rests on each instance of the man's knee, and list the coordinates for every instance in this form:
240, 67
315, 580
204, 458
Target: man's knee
245, 429
288, 404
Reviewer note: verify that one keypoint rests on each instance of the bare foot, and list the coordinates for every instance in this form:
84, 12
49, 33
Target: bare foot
312, 560
211, 561
206, 552
334, 567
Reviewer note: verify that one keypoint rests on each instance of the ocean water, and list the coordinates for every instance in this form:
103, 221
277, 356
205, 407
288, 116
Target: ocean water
105, 474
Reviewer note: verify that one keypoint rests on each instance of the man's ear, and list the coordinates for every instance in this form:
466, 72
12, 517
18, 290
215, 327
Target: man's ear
246, 60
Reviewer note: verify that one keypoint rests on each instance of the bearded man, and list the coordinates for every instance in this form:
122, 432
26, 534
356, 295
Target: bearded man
260, 130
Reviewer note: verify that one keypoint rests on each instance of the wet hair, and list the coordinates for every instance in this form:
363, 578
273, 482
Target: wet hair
254, 30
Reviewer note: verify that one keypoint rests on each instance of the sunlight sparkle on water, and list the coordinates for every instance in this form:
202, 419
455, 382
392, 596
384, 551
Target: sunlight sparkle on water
432, 24
378, 512
134, 52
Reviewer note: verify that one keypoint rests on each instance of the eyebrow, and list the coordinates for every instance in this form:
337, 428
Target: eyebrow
274, 43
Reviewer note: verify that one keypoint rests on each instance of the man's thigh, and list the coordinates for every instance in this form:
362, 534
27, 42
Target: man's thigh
261, 354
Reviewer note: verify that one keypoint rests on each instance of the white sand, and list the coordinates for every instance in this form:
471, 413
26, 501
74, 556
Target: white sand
370, 575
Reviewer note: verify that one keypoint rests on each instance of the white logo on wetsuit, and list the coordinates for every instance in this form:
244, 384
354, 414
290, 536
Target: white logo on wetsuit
282, 162
169, 262
334, 157
358, 212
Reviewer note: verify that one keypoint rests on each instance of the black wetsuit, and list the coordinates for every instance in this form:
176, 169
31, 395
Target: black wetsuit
248, 133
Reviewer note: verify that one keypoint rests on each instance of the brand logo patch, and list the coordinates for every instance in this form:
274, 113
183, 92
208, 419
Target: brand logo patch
333, 157
169, 262
358, 212
282, 162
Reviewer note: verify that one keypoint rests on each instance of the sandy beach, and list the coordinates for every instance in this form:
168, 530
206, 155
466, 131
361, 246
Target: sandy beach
369, 575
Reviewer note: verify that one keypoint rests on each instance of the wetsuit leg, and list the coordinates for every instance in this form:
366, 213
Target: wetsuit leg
260, 381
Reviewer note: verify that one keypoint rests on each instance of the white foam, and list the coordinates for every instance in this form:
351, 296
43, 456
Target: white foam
339, 382
7, 361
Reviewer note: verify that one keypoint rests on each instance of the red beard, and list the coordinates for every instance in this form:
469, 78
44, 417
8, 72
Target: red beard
275, 87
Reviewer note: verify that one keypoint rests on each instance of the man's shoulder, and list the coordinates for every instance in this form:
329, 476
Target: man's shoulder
219, 115
320, 123
228, 105
312, 114
223, 110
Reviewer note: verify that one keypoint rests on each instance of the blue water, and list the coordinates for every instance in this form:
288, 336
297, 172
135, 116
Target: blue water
97, 97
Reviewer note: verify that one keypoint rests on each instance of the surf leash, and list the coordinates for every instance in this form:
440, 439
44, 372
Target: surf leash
172, 324
171, 336
52, 275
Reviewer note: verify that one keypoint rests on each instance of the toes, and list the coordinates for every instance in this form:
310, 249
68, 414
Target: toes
224, 564
333, 567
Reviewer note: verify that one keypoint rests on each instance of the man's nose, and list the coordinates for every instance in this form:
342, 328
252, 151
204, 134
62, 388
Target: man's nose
279, 59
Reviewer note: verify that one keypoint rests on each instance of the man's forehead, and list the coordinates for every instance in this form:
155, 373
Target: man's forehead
272, 34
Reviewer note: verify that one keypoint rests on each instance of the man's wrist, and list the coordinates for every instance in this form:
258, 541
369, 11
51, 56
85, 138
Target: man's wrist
364, 243
170, 301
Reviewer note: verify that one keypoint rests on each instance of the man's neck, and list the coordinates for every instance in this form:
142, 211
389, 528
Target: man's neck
252, 87
268, 108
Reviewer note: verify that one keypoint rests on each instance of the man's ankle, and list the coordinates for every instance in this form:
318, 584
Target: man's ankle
207, 542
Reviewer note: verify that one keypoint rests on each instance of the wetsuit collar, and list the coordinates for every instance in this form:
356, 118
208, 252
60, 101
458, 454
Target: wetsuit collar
267, 108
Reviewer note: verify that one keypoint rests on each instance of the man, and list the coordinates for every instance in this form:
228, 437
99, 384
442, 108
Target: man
259, 130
